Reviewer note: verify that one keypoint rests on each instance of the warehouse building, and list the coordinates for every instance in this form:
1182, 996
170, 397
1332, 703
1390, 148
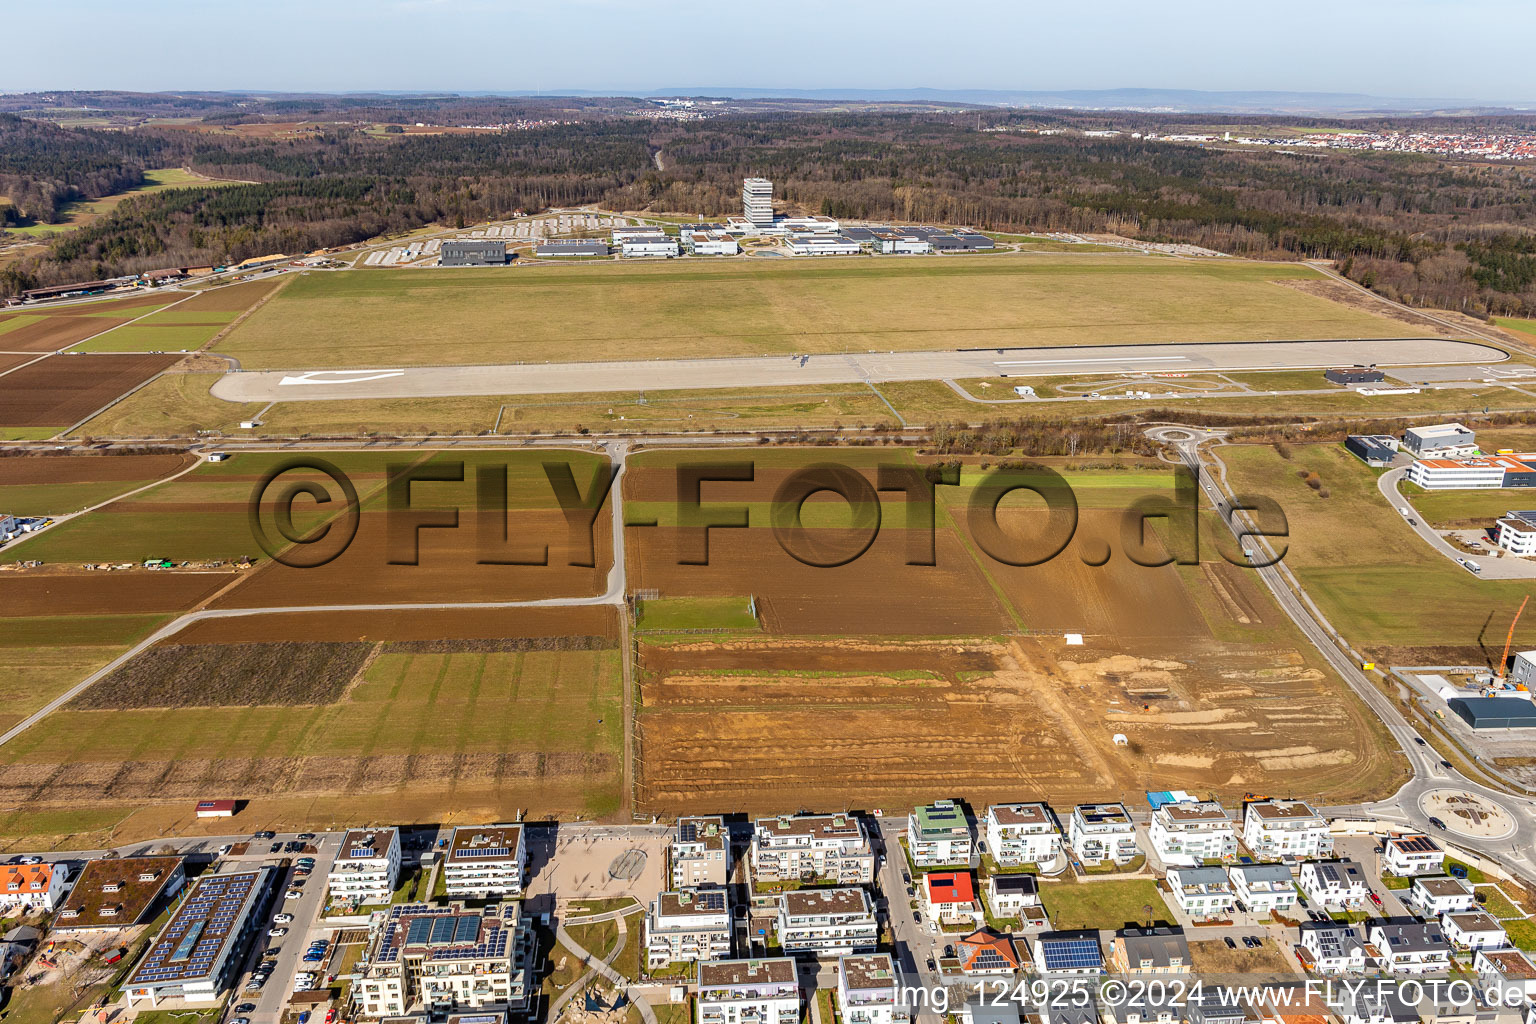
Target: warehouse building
1354, 375
710, 243
1372, 449
1480, 473
1496, 712
472, 252
199, 952
1440, 441
572, 247
655, 244
823, 245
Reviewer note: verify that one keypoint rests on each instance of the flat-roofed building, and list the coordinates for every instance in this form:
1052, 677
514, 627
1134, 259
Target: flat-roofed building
827, 921
366, 867
1474, 930
1441, 894
938, 834
484, 861
757, 201
709, 243
472, 252
805, 847
1201, 892
1009, 895
700, 852
120, 892
1022, 834
33, 886
1440, 441
1192, 832
439, 960
1347, 375
1485, 472
748, 992
1410, 855
868, 990
1102, 832
1515, 532
1263, 887
1508, 969
624, 232
1288, 830
686, 925
571, 247
199, 952
1373, 449
649, 245
823, 245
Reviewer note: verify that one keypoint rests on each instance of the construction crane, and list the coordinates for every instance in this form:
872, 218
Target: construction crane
1504, 661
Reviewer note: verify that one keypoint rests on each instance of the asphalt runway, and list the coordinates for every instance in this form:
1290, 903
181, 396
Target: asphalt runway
851, 368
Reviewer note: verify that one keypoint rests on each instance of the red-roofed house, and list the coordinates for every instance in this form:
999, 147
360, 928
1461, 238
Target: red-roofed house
216, 809
950, 897
32, 885
983, 953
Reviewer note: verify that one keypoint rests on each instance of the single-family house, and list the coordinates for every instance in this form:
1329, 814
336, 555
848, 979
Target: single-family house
1263, 888
1334, 882
1202, 893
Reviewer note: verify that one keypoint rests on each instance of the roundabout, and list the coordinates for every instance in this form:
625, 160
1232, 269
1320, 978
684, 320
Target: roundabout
1469, 815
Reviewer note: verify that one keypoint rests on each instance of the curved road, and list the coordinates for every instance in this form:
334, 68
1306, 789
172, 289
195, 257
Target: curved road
1494, 568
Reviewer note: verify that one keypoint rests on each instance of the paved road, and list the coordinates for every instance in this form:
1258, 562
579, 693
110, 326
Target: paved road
1506, 568
851, 368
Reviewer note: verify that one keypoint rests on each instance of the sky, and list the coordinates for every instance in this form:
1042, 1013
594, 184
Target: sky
1466, 49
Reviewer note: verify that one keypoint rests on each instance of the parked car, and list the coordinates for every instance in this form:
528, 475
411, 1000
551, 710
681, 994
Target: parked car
1376, 899
277, 933
1230, 943
293, 894
306, 835
304, 1017
276, 848
917, 918
246, 1008
282, 919
264, 834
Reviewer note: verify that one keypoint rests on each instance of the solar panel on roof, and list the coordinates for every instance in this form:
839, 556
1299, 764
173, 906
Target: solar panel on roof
442, 931
1072, 954
499, 851
420, 931
465, 929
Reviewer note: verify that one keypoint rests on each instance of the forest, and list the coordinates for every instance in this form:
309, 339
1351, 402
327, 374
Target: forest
1429, 231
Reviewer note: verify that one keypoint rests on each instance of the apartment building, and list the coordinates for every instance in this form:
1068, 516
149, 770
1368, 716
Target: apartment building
33, 886
1408, 856
700, 852
806, 847
1506, 971
1339, 882
827, 922
1474, 930
1288, 830
1010, 895
1102, 832
1192, 832
485, 861
1160, 950
1202, 892
748, 992
938, 834
1263, 887
687, 925
1022, 834
1411, 947
868, 990
1332, 948
198, 953
1434, 896
433, 960
366, 867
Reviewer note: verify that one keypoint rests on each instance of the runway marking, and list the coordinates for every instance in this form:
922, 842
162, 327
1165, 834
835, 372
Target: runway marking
1102, 359
318, 376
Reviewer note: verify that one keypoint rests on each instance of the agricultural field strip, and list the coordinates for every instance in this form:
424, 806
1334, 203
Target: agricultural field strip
65, 517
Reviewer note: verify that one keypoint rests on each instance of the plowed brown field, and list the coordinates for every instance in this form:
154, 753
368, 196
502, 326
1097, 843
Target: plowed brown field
72, 468
107, 593
488, 623
61, 390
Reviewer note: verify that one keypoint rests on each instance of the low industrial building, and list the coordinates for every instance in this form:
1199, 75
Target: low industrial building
1440, 441
199, 952
1286, 830
1372, 449
1486, 472
1513, 712
827, 922
710, 243
823, 245
938, 834
649, 245
748, 992
438, 960
868, 990
1354, 375
1102, 832
472, 252
484, 861
807, 847
700, 852
688, 925
624, 232
571, 247
366, 867
120, 892
894, 242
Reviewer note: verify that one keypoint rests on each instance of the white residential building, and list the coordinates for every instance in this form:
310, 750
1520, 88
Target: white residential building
438, 960
1193, 832
949, 897
827, 922
938, 834
688, 925
1022, 834
1201, 892
868, 990
1509, 969
757, 201
1288, 830
1262, 888
485, 861
1475, 930
1413, 854
33, 886
1442, 894
803, 847
1333, 948
748, 992
1102, 832
700, 852
1411, 947
366, 867
1009, 895
1338, 882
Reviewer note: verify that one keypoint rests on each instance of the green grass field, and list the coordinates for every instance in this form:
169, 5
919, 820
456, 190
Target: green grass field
1513, 324
1366, 569
386, 318
1103, 904
674, 613
35, 675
